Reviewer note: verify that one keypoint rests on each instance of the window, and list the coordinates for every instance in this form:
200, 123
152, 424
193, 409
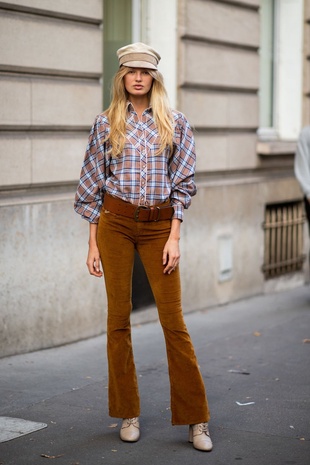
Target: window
117, 24
281, 60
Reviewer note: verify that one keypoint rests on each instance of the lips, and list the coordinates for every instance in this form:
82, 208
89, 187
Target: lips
138, 87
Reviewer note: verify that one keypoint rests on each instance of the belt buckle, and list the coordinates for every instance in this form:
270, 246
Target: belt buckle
136, 215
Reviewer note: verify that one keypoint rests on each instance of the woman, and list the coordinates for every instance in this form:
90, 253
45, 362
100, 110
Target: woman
136, 181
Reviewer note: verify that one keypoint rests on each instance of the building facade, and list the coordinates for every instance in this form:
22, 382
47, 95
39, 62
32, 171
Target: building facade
243, 83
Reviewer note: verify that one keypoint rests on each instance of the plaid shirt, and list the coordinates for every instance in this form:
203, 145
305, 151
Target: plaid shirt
138, 175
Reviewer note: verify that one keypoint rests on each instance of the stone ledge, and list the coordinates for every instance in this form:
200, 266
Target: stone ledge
276, 148
37, 195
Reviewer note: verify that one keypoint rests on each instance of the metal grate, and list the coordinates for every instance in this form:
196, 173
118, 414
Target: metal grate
283, 228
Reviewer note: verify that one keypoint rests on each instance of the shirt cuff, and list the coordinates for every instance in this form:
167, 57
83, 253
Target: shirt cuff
88, 214
178, 211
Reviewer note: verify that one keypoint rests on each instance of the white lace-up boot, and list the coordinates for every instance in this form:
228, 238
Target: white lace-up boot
130, 430
200, 437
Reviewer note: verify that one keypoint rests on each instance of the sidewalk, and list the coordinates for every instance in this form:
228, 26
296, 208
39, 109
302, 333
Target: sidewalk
254, 358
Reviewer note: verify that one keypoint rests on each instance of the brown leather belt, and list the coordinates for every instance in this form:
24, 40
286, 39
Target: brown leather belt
137, 212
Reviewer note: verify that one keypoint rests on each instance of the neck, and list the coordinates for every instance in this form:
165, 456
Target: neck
139, 103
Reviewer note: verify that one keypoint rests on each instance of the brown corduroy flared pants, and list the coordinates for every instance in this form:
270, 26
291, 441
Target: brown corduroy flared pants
117, 238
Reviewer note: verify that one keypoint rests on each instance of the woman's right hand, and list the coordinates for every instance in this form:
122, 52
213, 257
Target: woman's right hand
93, 261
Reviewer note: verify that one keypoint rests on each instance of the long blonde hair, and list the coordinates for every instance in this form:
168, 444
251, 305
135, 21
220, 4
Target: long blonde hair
117, 110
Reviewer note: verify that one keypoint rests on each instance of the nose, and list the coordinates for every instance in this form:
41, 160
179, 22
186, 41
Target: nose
138, 76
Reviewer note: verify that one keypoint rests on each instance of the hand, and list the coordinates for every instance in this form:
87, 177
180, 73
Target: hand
93, 261
171, 255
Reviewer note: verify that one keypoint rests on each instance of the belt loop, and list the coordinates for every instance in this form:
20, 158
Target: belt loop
158, 213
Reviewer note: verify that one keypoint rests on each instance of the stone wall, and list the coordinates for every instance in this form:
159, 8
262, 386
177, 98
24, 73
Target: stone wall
50, 92
224, 227
236, 174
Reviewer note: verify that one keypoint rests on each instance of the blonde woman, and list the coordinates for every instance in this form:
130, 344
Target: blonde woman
136, 181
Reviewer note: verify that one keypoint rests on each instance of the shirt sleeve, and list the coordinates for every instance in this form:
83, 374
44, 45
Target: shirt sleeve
90, 191
182, 168
302, 161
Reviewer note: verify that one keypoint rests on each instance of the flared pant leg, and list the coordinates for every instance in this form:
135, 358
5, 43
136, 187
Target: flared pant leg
189, 403
116, 245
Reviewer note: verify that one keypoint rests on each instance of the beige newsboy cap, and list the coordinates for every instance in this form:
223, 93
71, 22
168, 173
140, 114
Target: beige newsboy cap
138, 55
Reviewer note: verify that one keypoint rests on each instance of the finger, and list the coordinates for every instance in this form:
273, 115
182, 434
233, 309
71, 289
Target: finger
173, 267
169, 268
93, 269
166, 269
168, 264
89, 267
97, 265
97, 269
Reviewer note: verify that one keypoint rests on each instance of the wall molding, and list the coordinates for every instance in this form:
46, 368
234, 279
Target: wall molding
220, 43
219, 88
236, 3
35, 72
224, 130
49, 14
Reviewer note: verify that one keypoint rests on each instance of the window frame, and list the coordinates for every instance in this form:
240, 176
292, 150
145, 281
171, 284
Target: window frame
285, 76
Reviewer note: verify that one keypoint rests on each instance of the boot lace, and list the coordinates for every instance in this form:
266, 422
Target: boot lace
204, 428
131, 421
